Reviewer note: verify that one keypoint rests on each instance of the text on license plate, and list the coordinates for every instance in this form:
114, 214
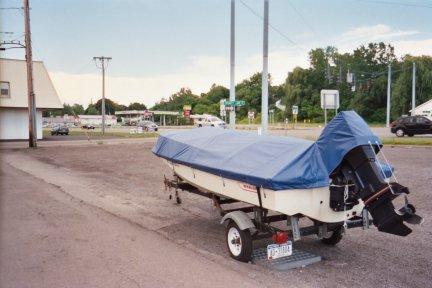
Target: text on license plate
275, 251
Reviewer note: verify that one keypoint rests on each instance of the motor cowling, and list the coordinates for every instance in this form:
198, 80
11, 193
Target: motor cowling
363, 178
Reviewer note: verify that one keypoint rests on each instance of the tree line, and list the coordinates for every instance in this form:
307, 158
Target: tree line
360, 76
367, 65
94, 109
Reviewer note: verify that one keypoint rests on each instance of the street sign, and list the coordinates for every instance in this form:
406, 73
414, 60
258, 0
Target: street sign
251, 114
235, 103
229, 108
330, 99
295, 110
186, 111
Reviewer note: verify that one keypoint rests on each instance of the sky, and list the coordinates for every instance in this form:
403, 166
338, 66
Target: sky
158, 46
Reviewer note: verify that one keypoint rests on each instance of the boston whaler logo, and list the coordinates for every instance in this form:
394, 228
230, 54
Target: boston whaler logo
248, 187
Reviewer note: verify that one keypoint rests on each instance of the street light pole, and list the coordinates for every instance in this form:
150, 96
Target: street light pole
264, 87
232, 114
413, 104
30, 88
388, 96
104, 63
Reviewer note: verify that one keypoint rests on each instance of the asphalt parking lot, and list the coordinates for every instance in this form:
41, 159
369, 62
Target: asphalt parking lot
98, 216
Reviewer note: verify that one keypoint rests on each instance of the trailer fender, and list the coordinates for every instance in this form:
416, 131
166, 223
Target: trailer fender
240, 218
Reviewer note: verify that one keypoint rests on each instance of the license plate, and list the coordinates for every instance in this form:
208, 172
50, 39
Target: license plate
275, 251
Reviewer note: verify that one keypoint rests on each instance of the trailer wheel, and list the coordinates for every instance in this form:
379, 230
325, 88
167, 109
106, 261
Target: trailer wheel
335, 237
239, 242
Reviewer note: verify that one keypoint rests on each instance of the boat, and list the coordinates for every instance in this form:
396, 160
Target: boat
340, 179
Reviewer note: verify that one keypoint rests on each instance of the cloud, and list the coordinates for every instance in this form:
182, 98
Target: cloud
204, 70
374, 33
413, 47
199, 75
84, 88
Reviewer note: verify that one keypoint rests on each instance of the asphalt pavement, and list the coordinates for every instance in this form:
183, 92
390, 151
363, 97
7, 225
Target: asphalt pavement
97, 215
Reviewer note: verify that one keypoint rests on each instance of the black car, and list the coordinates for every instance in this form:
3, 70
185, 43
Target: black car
87, 126
411, 125
60, 130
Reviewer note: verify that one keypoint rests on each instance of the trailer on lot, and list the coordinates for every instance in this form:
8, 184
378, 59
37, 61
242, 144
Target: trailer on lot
341, 181
246, 223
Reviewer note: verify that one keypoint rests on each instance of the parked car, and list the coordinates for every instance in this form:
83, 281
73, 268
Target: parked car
87, 126
60, 130
148, 125
209, 120
411, 125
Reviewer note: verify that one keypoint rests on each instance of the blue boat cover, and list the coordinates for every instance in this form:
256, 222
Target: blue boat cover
273, 162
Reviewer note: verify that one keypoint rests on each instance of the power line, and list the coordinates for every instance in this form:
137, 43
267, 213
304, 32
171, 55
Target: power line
271, 26
11, 8
19, 37
301, 17
397, 3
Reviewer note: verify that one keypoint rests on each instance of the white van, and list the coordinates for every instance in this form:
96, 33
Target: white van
209, 120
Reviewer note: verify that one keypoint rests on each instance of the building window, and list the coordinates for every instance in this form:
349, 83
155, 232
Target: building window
4, 89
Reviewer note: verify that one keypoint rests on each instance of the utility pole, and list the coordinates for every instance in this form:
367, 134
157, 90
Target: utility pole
264, 87
30, 90
413, 104
232, 114
388, 96
103, 65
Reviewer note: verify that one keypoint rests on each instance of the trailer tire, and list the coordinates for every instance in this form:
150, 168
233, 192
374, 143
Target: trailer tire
239, 242
335, 237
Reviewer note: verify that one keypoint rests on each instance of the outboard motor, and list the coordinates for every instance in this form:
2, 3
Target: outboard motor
360, 176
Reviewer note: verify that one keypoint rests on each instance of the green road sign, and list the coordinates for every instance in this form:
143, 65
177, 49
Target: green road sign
235, 103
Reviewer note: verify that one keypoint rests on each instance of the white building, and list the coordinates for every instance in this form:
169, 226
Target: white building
14, 117
96, 120
65, 119
424, 109
133, 117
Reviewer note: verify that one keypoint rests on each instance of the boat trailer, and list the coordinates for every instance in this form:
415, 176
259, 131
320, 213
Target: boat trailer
261, 225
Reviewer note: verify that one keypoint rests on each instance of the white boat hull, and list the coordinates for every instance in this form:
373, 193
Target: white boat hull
313, 203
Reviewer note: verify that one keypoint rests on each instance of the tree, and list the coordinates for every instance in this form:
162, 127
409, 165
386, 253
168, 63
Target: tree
178, 100
78, 109
200, 109
249, 90
67, 109
136, 106
328, 70
110, 106
91, 110
215, 94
